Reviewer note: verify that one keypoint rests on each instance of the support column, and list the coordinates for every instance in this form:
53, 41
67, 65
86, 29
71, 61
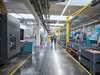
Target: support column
67, 30
37, 48
38, 35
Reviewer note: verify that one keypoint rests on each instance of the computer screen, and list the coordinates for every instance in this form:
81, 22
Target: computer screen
21, 34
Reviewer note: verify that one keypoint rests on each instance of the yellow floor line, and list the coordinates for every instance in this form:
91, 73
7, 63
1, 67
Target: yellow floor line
78, 62
17, 66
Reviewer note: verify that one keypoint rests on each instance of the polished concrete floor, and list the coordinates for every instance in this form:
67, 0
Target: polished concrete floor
11, 65
51, 61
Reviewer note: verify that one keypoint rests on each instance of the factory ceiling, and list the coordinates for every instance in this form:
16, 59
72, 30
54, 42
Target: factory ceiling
55, 9
92, 13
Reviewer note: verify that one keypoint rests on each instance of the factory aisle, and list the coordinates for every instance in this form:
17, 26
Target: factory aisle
54, 61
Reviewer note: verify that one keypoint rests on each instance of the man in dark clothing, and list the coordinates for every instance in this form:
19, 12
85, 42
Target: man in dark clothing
54, 37
51, 39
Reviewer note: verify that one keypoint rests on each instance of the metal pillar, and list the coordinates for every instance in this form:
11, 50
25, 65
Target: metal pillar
37, 48
67, 30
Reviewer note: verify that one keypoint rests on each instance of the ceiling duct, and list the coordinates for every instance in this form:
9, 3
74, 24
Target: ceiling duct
42, 8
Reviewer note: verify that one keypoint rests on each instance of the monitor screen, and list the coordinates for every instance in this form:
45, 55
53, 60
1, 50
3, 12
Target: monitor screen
21, 34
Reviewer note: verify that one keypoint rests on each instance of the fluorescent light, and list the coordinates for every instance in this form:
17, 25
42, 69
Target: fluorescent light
54, 27
21, 15
30, 23
22, 26
76, 2
15, 15
58, 17
27, 16
66, 6
52, 24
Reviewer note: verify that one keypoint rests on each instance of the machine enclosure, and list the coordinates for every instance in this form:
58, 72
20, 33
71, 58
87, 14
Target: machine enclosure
9, 37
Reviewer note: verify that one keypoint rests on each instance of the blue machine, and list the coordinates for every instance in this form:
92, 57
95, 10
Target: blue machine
74, 40
94, 37
27, 48
90, 55
88, 51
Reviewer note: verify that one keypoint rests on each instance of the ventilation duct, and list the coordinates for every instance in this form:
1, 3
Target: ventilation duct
42, 8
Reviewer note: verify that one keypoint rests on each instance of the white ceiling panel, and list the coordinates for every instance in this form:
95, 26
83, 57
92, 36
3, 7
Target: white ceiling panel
56, 9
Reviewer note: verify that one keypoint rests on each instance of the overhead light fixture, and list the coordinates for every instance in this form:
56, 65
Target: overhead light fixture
22, 26
15, 15
21, 15
76, 3
65, 8
58, 17
30, 23
52, 24
27, 16
54, 27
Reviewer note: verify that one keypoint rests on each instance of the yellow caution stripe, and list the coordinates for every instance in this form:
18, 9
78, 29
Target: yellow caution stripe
78, 62
18, 66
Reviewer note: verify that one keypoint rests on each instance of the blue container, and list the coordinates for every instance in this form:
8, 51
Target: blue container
27, 47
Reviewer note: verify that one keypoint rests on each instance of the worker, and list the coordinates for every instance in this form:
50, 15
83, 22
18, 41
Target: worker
51, 39
54, 38
51, 42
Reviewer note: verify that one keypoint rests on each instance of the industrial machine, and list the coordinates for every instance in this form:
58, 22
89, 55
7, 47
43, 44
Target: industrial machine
62, 39
90, 56
9, 37
85, 47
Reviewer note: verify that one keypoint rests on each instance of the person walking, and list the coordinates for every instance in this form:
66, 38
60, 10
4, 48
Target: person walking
51, 39
54, 40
